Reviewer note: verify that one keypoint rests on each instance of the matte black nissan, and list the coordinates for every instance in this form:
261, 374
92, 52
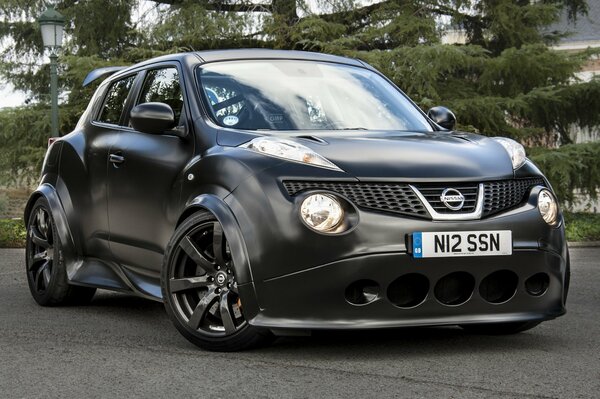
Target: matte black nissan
260, 193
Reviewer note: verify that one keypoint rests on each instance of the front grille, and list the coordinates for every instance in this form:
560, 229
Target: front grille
399, 198
386, 197
503, 195
433, 192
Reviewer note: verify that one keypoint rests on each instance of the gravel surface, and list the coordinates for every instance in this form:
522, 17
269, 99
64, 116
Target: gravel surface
124, 346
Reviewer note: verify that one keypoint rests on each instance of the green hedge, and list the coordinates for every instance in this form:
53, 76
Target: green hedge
12, 233
583, 226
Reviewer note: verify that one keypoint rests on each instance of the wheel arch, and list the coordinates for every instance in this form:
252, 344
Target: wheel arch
225, 216
241, 261
50, 193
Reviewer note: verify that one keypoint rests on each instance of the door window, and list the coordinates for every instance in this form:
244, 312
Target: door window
115, 100
162, 86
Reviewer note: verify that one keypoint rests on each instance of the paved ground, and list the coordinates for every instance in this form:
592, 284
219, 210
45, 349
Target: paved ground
122, 346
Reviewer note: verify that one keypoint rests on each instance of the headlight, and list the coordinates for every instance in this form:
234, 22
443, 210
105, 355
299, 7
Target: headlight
515, 150
548, 207
290, 150
321, 212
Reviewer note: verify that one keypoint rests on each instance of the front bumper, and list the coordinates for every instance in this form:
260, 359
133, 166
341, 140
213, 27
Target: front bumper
317, 298
300, 279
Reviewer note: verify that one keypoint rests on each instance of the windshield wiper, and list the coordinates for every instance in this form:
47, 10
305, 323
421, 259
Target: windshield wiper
353, 128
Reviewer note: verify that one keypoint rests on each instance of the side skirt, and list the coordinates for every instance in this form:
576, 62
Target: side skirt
93, 272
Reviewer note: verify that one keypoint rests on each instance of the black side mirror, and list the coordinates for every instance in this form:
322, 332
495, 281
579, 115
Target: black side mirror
153, 118
443, 117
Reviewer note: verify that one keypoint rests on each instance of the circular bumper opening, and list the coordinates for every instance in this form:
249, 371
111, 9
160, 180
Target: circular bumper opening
362, 292
409, 290
537, 284
455, 288
499, 286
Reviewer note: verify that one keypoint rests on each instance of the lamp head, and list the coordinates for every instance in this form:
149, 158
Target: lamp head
52, 24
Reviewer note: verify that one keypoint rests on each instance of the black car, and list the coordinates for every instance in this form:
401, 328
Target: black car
260, 193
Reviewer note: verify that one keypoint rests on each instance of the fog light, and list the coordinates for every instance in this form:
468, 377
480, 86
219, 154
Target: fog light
321, 212
548, 207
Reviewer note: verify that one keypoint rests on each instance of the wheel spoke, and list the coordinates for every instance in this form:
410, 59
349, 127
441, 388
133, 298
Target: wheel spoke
226, 316
218, 244
42, 223
188, 283
37, 239
37, 279
46, 273
192, 251
201, 309
38, 257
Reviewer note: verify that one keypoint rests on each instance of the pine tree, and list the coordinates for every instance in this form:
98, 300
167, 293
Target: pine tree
504, 81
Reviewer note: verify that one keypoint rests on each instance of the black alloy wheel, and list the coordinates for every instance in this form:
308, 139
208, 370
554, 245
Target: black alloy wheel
200, 290
202, 284
44, 262
40, 250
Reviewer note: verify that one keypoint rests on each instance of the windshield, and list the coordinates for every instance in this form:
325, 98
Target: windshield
304, 95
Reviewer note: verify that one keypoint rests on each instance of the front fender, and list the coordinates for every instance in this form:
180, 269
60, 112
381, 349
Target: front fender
241, 263
231, 228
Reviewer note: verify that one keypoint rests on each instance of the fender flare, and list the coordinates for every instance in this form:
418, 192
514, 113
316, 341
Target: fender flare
50, 193
231, 228
233, 232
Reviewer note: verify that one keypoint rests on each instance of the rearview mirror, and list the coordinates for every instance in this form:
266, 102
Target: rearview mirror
153, 118
443, 117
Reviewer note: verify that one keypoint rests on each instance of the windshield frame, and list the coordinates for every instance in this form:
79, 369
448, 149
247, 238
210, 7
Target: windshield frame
209, 116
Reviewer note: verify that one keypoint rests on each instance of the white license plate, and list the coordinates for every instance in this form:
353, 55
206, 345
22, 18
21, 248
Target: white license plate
461, 243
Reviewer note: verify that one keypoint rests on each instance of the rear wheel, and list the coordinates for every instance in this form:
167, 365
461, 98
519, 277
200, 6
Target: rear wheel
44, 261
200, 291
500, 328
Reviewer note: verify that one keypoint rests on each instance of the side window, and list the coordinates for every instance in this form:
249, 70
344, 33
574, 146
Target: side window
162, 86
115, 100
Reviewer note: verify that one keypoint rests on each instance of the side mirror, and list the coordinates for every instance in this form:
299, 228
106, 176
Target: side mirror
153, 118
443, 117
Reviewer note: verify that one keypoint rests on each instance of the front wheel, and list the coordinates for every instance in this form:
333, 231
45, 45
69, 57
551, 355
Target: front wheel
200, 291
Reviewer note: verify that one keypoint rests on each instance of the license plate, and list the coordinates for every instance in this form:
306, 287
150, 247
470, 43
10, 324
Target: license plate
461, 243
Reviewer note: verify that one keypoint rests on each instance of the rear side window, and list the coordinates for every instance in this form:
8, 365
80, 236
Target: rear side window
162, 86
115, 100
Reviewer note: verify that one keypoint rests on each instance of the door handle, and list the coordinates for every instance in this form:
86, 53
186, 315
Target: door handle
116, 159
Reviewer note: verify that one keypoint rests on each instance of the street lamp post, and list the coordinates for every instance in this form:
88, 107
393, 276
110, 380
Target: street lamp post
52, 24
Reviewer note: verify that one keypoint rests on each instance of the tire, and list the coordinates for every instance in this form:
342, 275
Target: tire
500, 328
567, 278
45, 266
200, 292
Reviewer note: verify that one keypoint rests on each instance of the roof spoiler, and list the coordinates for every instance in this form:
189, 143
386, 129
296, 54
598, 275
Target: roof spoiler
101, 73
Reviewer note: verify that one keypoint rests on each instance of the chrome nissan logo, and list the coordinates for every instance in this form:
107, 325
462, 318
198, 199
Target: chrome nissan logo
221, 278
453, 199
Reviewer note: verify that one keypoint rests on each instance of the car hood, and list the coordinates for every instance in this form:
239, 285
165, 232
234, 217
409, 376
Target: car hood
406, 156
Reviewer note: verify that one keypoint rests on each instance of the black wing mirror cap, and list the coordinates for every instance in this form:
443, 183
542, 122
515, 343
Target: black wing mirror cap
443, 117
153, 118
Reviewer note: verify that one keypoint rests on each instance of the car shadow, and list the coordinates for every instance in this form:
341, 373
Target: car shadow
406, 342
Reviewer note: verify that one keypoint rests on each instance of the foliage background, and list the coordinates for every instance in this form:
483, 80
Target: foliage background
504, 81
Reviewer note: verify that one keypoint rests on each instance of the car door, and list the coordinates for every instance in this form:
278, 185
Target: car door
144, 180
91, 198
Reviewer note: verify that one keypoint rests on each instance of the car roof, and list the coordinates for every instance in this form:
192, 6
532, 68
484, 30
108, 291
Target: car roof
201, 57
244, 54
